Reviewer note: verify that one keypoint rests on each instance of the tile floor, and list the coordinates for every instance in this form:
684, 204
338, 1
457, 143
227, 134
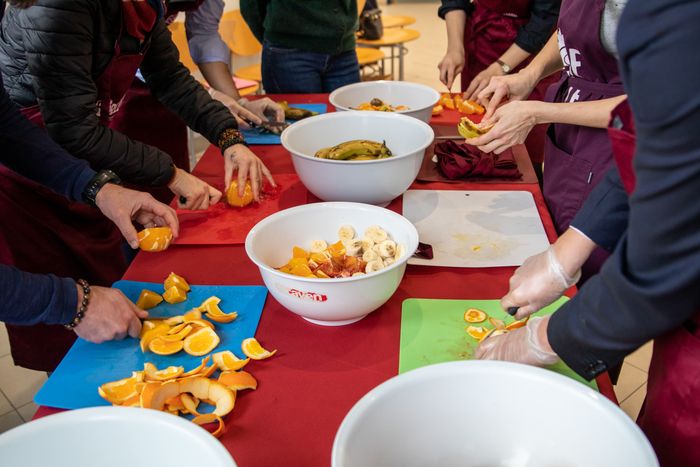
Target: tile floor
18, 386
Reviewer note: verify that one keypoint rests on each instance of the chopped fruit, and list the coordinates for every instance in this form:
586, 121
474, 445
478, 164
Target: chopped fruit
197, 370
238, 380
155, 239
214, 313
200, 323
154, 374
208, 303
174, 320
517, 324
447, 101
473, 315
118, 392
201, 342
177, 281
252, 348
154, 395
302, 270
189, 403
178, 336
160, 330
438, 109
299, 253
337, 249
470, 107
163, 347
234, 199
177, 328
477, 332
148, 299
223, 318
192, 315
147, 325
210, 418
227, 361
175, 295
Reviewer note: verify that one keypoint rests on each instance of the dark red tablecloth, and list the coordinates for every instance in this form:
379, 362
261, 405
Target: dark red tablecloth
319, 372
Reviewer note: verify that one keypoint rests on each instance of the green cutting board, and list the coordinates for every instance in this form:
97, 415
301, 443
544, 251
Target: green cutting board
434, 331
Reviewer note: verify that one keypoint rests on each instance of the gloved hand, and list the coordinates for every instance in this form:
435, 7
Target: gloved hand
537, 283
525, 345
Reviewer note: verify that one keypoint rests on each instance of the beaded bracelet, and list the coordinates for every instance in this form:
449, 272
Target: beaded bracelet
230, 137
80, 314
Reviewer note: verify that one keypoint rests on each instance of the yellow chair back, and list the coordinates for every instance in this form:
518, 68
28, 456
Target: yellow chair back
237, 35
177, 30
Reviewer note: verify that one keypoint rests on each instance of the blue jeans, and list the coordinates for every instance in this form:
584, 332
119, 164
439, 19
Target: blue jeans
290, 71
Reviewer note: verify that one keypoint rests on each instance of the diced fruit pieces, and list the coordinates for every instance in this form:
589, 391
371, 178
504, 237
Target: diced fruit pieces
176, 281
148, 299
252, 348
175, 295
201, 342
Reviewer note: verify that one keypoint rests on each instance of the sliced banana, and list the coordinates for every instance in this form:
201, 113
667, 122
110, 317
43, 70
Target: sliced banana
346, 232
389, 261
400, 251
317, 246
369, 256
358, 273
367, 243
353, 247
387, 249
373, 266
376, 234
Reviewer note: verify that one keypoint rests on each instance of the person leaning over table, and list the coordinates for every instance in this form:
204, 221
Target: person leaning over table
498, 38
308, 45
27, 298
68, 65
577, 151
649, 287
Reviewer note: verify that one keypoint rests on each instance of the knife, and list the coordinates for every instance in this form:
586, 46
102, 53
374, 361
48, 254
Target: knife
450, 137
272, 127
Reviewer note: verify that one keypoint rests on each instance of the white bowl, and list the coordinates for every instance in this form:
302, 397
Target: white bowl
111, 437
485, 413
328, 302
419, 99
374, 181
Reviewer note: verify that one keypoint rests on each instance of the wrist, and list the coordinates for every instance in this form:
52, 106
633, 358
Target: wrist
230, 137
96, 184
572, 249
539, 342
83, 290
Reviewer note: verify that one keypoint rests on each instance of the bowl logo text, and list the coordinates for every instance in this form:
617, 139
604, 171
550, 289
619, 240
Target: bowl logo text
316, 297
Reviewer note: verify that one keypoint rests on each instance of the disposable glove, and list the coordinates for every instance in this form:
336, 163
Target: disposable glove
524, 345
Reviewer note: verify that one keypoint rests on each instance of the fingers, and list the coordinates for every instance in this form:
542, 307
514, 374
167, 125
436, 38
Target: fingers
229, 165
127, 229
214, 195
242, 176
500, 93
483, 351
525, 311
254, 176
473, 86
134, 327
160, 214
248, 115
268, 175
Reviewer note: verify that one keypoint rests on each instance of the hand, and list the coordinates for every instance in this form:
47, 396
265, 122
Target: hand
238, 157
515, 87
264, 108
199, 195
122, 206
482, 80
450, 66
512, 123
527, 345
109, 315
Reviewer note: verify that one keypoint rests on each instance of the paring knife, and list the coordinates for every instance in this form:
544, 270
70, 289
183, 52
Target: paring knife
449, 137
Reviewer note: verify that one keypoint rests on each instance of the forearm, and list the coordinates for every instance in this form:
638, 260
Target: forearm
514, 55
572, 249
593, 114
455, 22
546, 62
218, 76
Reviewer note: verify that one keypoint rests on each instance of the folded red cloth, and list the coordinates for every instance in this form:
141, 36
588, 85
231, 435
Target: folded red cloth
460, 160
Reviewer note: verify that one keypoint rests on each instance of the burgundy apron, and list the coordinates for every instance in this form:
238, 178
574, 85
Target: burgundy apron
47, 233
670, 416
577, 157
491, 29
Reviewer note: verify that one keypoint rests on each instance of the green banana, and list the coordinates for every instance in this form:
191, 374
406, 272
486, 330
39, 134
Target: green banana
295, 113
359, 149
469, 129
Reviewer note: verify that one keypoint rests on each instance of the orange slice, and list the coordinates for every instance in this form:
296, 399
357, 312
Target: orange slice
201, 342
154, 394
148, 299
174, 320
222, 318
517, 324
155, 239
163, 347
175, 295
234, 199
238, 380
210, 418
147, 325
178, 336
192, 314
198, 369
477, 332
252, 348
159, 330
118, 392
154, 374
474, 315
173, 280
200, 323
227, 361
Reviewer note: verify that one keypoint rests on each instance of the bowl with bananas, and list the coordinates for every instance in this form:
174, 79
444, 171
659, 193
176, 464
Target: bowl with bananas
332, 263
412, 99
364, 157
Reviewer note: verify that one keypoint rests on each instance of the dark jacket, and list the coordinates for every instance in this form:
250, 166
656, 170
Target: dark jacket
53, 52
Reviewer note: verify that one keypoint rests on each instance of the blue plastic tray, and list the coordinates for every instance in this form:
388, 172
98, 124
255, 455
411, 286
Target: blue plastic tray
257, 136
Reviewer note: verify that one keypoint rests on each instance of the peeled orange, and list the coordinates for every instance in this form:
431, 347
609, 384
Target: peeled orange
155, 239
175, 295
148, 299
176, 281
474, 315
252, 348
234, 199
201, 342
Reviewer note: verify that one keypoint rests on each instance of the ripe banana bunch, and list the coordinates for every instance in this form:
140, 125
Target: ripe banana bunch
355, 150
469, 129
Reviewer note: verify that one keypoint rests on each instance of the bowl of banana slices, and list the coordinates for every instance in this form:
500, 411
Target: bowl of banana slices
363, 157
332, 263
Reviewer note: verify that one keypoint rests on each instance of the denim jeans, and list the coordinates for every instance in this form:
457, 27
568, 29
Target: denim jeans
292, 71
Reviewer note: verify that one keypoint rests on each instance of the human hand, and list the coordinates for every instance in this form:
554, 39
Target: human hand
527, 345
537, 283
450, 66
511, 124
482, 80
122, 206
199, 195
109, 315
239, 157
515, 87
265, 108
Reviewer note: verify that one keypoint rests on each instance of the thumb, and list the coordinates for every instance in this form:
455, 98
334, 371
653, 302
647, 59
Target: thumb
127, 229
525, 311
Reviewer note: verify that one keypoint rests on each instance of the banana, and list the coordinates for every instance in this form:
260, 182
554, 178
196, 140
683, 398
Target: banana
358, 273
388, 262
376, 234
370, 255
346, 232
469, 129
373, 266
323, 153
367, 243
295, 113
400, 250
353, 247
387, 249
317, 246
359, 148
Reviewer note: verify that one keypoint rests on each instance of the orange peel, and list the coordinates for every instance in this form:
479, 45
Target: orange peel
517, 324
238, 380
477, 332
201, 342
474, 315
119, 392
252, 349
210, 418
189, 403
178, 336
228, 361
198, 369
154, 374
192, 315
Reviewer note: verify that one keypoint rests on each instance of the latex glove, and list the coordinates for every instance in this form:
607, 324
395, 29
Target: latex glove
199, 195
525, 345
122, 206
249, 166
511, 122
450, 66
537, 283
109, 315
482, 80
265, 108
515, 87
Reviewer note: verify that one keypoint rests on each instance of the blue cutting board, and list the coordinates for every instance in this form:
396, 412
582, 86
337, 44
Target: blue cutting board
258, 136
86, 366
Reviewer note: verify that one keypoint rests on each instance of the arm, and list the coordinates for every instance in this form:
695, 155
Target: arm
452, 63
533, 35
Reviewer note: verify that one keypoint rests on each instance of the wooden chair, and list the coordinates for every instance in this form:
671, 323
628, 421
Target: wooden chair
394, 38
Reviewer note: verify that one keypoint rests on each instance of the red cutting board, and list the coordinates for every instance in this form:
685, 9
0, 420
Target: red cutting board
222, 224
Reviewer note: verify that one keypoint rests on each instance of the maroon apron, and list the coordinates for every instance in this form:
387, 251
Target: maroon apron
491, 29
670, 416
47, 233
577, 157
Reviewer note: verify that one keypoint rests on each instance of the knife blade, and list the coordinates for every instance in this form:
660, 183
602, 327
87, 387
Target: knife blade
449, 137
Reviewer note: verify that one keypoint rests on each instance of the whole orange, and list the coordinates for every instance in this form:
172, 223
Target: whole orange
239, 201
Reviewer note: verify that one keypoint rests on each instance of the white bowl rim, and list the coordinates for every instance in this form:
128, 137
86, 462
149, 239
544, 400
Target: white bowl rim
493, 366
304, 207
284, 137
367, 84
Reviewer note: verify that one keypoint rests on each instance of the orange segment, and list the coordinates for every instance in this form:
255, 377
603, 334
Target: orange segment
118, 392
173, 280
154, 374
155, 239
223, 318
163, 347
174, 320
227, 361
474, 315
238, 380
192, 314
298, 252
178, 336
252, 348
234, 199
200, 323
201, 342
159, 330
198, 369
148, 299
477, 332
175, 295
210, 418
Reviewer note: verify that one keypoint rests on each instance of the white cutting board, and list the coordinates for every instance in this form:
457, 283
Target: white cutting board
476, 229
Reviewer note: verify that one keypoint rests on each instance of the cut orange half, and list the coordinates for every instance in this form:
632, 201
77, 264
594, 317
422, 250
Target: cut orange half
474, 315
201, 342
227, 361
238, 380
174, 295
163, 347
173, 280
252, 348
148, 299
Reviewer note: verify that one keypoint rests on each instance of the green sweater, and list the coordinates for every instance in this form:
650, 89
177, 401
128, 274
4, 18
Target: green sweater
323, 26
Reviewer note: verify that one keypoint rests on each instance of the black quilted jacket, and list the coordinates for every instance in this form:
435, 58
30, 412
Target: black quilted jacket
53, 52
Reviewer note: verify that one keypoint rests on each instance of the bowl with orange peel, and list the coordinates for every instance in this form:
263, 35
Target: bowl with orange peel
332, 263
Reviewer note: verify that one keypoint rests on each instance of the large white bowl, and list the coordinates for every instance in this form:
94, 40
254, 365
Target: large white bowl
374, 181
419, 98
483, 413
111, 437
329, 302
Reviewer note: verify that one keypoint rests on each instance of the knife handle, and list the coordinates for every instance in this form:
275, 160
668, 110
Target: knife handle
183, 200
512, 310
